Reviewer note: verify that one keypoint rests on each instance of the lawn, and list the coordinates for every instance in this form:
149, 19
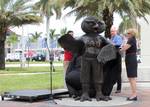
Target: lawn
11, 81
11, 70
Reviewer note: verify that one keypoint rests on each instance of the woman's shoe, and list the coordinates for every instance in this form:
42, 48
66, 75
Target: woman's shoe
118, 91
132, 99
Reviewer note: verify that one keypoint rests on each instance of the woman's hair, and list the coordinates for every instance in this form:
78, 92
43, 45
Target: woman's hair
133, 32
70, 31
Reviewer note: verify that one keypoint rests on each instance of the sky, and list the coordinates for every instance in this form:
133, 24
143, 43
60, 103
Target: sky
68, 22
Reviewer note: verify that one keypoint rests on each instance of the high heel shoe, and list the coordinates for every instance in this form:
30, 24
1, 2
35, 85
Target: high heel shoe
132, 99
118, 91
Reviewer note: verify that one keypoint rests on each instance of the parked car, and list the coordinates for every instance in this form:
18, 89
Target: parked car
13, 57
39, 57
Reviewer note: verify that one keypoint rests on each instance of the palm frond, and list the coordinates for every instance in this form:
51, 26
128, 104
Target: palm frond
63, 31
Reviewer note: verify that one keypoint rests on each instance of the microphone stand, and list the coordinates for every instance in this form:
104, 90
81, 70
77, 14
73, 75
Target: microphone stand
51, 77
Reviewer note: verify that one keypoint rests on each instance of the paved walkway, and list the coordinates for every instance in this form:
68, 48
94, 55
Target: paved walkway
33, 65
140, 65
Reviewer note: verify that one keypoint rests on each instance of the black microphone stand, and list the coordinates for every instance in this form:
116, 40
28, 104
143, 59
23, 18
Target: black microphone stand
51, 98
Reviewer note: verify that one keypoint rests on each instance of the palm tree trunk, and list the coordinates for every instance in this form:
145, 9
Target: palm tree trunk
48, 37
2, 47
23, 59
108, 19
2, 54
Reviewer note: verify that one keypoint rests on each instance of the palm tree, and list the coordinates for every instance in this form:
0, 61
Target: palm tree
48, 8
53, 36
63, 31
34, 36
127, 23
52, 33
11, 40
33, 39
105, 9
13, 13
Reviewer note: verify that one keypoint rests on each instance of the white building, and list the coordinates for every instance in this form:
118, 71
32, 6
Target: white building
145, 41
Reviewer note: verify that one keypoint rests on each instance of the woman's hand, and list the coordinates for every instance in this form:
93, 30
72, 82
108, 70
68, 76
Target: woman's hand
125, 47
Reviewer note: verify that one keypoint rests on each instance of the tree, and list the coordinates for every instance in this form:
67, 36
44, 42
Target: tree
34, 36
48, 8
54, 37
14, 13
52, 33
32, 39
11, 40
107, 8
127, 23
63, 31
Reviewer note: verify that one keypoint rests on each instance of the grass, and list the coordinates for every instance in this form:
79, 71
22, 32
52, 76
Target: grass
28, 69
14, 82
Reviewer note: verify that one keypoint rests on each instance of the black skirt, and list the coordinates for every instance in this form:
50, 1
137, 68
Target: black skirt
131, 65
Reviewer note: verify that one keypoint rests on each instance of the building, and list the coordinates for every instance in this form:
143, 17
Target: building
145, 40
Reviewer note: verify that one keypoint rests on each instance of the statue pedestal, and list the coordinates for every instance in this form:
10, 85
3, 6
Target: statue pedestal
116, 101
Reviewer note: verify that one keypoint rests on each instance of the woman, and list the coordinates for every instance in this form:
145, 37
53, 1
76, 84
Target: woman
131, 61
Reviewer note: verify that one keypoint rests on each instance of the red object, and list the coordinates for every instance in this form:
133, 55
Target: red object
67, 55
30, 53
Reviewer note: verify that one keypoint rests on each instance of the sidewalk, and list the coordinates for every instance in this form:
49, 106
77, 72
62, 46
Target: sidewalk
140, 65
33, 65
